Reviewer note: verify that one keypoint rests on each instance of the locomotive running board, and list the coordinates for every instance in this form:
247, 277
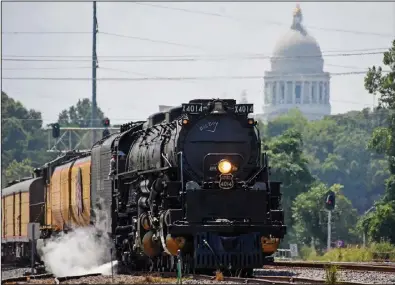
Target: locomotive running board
134, 173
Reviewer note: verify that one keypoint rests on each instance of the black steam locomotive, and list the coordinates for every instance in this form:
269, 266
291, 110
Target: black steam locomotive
193, 181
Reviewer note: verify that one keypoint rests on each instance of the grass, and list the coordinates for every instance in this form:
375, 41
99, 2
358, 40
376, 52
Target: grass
375, 252
331, 274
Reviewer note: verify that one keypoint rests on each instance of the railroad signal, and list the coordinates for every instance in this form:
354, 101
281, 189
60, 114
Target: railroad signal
106, 122
55, 130
330, 201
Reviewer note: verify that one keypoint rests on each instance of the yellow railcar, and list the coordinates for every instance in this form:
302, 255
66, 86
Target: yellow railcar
68, 201
21, 204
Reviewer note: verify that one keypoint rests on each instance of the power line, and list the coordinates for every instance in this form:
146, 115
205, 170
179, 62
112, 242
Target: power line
168, 59
108, 34
48, 68
266, 21
140, 73
171, 78
151, 40
43, 32
185, 55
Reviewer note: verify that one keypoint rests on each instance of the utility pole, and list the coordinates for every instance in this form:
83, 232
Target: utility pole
330, 206
94, 66
329, 230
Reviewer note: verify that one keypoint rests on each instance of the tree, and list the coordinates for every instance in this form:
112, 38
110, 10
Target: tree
18, 170
379, 224
311, 218
22, 135
337, 149
79, 115
289, 166
294, 119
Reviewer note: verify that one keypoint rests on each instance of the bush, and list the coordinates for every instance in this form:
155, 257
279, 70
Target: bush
375, 252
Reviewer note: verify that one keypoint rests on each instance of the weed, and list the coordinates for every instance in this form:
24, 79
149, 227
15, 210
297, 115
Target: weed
331, 274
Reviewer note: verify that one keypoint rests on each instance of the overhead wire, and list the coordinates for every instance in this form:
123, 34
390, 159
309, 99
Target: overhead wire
236, 77
44, 32
169, 59
261, 21
383, 49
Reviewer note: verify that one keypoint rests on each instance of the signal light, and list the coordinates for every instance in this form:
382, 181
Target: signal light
55, 130
106, 122
330, 201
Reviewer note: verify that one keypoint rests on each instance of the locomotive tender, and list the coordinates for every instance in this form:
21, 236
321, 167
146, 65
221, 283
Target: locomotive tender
193, 180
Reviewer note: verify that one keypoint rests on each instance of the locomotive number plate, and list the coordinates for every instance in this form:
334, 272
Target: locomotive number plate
226, 181
244, 109
194, 108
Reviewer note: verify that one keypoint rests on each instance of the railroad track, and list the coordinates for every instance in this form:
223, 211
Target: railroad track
387, 268
340, 265
218, 278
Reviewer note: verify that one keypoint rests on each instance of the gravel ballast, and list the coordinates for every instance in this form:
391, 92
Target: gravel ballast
344, 275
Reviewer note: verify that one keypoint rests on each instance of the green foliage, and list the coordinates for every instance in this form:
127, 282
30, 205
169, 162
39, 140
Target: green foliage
336, 150
24, 141
18, 170
80, 115
379, 224
290, 167
331, 274
375, 252
310, 218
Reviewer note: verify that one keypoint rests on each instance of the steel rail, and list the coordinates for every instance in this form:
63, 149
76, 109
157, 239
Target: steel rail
340, 265
254, 280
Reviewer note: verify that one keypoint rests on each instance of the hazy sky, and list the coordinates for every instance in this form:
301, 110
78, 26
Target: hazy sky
142, 30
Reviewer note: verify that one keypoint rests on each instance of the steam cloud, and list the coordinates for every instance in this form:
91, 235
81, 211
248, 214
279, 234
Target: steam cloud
80, 251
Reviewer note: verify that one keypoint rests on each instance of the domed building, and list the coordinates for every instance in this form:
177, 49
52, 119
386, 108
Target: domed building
297, 78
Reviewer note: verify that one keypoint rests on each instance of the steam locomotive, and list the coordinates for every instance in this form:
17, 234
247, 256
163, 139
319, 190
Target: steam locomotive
189, 183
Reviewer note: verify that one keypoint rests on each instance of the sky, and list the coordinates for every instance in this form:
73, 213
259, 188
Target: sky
132, 30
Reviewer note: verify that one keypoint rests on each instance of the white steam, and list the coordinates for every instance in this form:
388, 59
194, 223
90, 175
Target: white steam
80, 251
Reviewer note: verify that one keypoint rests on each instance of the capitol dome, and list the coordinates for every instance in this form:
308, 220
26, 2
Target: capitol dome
296, 50
296, 79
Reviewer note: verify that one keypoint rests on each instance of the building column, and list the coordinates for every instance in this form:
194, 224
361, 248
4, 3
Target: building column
278, 92
328, 91
324, 91
302, 92
293, 92
311, 91
286, 92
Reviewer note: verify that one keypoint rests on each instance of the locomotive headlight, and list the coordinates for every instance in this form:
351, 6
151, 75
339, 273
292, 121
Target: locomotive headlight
224, 166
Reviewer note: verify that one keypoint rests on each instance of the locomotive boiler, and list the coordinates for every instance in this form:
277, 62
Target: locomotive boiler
195, 180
